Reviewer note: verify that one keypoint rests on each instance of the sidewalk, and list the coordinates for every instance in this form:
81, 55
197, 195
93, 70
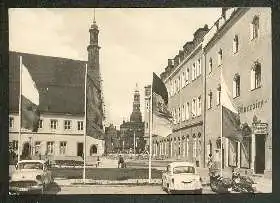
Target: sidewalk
263, 185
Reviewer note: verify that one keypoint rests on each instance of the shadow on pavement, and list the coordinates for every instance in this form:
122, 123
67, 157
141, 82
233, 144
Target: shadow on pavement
52, 189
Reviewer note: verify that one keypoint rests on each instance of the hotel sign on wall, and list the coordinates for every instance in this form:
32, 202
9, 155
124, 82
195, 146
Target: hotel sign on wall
260, 128
251, 107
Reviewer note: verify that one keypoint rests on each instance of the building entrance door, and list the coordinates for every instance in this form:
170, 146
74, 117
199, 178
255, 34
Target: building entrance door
260, 154
80, 149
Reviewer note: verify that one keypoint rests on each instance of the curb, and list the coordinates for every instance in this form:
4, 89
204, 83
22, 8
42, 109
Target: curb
133, 182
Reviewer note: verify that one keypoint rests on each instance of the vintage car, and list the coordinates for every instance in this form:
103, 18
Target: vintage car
30, 176
181, 177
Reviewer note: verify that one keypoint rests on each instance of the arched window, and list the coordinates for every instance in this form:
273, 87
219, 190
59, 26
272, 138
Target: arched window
256, 76
235, 44
236, 86
93, 150
254, 28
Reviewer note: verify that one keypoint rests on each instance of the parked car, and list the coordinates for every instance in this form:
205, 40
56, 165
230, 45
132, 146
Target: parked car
30, 176
181, 177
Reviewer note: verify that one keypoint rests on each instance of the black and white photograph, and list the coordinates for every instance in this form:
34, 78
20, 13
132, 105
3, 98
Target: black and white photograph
140, 100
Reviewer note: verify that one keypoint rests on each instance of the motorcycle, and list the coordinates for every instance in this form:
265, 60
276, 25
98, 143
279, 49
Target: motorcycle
242, 184
220, 184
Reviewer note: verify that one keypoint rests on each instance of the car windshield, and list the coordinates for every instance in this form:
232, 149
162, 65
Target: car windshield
30, 165
183, 169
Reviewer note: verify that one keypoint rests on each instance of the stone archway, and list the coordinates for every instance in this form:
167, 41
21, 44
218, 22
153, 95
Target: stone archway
93, 150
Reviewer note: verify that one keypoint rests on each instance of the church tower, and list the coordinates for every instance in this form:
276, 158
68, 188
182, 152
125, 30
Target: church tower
93, 54
95, 103
136, 115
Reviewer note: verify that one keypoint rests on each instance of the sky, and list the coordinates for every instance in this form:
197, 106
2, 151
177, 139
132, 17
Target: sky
134, 43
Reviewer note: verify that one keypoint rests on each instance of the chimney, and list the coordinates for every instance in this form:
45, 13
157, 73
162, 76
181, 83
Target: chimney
170, 62
176, 61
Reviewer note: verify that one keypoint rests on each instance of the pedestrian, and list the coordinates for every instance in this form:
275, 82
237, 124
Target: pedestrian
121, 162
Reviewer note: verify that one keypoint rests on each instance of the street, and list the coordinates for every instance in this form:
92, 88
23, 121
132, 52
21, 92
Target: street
116, 189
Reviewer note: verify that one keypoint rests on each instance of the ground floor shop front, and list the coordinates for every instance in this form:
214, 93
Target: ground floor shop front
186, 144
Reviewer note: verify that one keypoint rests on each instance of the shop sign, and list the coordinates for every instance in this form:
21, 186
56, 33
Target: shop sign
260, 128
251, 107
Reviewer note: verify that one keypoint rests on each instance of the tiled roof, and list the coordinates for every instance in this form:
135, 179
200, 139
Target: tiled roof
60, 82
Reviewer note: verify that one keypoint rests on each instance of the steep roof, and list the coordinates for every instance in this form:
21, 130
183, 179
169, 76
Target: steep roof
60, 82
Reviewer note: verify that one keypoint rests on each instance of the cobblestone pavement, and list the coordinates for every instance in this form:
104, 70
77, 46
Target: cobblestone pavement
107, 189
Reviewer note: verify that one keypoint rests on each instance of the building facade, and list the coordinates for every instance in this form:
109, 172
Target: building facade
61, 86
238, 49
132, 132
239, 45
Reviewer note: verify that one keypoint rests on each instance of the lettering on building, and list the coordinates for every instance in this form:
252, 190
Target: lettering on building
251, 107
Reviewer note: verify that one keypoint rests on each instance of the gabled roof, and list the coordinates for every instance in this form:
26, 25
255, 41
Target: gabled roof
60, 82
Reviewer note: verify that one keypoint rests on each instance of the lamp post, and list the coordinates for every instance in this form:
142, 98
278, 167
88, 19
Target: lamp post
134, 143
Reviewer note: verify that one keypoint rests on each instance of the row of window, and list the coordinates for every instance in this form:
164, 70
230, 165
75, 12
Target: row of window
163, 146
183, 112
53, 124
184, 79
255, 83
37, 147
254, 33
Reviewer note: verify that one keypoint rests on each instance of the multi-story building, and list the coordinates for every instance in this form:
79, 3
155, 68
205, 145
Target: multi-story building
238, 49
132, 132
184, 81
239, 46
61, 86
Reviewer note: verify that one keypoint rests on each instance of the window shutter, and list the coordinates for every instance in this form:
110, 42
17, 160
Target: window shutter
217, 97
234, 88
252, 79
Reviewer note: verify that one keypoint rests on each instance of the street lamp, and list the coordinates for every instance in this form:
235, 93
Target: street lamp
134, 140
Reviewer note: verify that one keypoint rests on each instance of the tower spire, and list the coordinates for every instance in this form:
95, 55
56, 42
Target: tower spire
93, 14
